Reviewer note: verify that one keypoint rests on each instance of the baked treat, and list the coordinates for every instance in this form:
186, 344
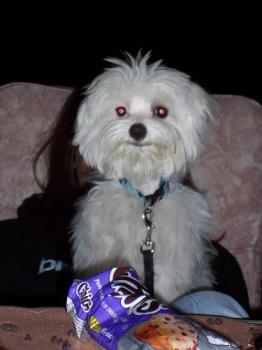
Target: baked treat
165, 332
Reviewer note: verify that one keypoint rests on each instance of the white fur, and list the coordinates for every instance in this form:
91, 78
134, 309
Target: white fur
108, 228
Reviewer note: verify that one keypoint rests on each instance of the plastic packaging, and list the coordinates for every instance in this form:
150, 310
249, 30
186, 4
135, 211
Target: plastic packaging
116, 310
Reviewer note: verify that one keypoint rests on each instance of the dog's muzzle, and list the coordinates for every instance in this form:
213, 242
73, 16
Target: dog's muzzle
138, 131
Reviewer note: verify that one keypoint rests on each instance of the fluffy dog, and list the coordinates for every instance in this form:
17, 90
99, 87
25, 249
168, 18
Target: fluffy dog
140, 125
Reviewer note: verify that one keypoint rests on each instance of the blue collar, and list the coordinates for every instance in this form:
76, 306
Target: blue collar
147, 201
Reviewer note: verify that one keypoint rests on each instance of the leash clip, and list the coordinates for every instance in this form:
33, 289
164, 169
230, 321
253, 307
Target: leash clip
148, 244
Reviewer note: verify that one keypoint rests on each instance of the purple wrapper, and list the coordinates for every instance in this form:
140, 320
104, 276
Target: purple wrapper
107, 305
116, 310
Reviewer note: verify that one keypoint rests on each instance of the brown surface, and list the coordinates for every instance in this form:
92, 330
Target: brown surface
51, 328
239, 331
42, 329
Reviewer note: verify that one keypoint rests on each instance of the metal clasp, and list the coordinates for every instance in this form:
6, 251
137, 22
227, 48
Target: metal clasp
148, 244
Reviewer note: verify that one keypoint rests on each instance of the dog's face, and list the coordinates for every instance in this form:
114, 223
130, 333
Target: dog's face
141, 122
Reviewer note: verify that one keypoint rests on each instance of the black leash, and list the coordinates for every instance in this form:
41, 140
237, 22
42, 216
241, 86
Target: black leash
147, 249
149, 270
147, 246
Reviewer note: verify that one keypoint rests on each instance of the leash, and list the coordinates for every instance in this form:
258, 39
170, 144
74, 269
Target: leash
147, 246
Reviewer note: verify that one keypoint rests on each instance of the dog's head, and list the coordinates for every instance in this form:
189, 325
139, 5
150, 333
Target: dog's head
141, 121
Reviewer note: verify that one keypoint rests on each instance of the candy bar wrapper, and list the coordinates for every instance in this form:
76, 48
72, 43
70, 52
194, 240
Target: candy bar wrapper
116, 310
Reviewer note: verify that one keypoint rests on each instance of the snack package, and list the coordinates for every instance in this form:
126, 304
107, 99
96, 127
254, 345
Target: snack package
116, 310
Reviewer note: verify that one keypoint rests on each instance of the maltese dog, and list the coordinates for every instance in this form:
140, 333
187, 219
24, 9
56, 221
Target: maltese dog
140, 125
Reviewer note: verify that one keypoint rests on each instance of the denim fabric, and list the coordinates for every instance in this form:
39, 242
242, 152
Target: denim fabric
210, 302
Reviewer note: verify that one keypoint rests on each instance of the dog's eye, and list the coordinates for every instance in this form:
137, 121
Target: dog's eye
161, 112
121, 111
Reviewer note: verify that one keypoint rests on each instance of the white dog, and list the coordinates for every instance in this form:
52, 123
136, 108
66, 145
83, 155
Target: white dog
140, 125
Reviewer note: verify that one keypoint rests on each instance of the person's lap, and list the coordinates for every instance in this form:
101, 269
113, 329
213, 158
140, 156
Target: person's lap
209, 302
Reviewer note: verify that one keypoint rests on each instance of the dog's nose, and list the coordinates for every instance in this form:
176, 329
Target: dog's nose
138, 131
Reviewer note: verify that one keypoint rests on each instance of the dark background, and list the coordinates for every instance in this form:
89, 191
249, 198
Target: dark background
219, 47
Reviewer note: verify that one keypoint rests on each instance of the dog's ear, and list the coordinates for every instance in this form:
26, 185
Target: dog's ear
203, 103
194, 116
81, 122
203, 119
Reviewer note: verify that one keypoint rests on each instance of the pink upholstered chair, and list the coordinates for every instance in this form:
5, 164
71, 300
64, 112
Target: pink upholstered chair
228, 170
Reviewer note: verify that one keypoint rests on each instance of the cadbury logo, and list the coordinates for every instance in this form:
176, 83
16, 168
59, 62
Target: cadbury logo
134, 297
85, 296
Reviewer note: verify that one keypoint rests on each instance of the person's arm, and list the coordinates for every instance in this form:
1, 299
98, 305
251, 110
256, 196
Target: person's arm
229, 276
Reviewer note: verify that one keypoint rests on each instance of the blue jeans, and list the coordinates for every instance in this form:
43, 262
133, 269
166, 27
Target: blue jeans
209, 302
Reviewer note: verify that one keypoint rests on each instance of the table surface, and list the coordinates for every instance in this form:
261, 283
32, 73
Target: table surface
51, 328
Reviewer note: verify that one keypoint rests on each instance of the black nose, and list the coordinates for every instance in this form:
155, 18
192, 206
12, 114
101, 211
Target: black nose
138, 131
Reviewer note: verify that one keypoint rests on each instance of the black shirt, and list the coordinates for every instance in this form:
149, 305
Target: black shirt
35, 258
